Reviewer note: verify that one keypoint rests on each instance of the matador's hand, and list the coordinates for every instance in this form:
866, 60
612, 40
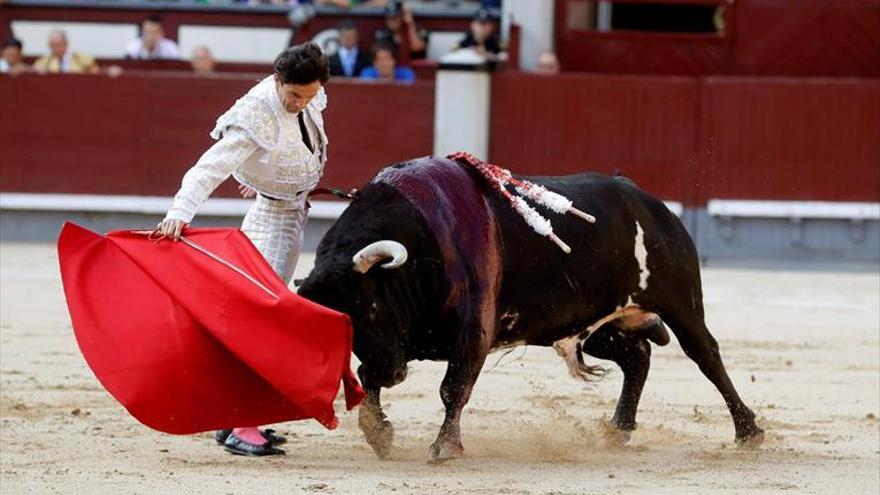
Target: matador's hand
170, 228
246, 192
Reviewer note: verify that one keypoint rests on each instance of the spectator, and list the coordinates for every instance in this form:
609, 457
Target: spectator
349, 60
481, 36
11, 61
385, 66
62, 59
353, 3
202, 60
399, 18
152, 44
548, 63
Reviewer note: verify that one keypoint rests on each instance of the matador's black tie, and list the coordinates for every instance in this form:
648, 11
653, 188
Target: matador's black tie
305, 132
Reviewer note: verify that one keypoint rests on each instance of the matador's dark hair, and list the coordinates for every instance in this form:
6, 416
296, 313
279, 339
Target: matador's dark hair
302, 64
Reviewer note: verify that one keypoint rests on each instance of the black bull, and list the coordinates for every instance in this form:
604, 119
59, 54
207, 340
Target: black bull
430, 263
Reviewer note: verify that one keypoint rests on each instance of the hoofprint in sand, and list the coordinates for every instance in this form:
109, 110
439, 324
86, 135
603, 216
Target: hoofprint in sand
802, 347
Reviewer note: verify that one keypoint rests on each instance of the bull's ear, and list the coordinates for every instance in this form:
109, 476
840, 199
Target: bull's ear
298, 281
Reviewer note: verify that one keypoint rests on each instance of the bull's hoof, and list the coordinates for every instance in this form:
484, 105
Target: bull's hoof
751, 440
442, 452
615, 437
379, 435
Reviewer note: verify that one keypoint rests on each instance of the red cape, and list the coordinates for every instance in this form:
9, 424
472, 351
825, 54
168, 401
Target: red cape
188, 342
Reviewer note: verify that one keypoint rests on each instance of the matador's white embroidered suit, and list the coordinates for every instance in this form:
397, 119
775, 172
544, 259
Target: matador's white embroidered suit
261, 145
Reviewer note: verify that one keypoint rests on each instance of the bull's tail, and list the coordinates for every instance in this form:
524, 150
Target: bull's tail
571, 352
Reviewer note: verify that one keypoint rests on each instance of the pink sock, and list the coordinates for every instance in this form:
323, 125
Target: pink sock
250, 435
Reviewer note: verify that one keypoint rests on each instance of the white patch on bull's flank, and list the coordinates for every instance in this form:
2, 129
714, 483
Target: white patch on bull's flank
641, 254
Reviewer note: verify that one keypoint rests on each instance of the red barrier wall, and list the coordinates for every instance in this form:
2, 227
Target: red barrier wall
138, 134
790, 139
373, 125
695, 139
644, 126
807, 38
680, 138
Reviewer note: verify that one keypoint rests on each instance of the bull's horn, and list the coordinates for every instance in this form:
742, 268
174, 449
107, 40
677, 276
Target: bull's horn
375, 252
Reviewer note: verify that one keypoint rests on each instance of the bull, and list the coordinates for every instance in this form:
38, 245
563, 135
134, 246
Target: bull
431, 263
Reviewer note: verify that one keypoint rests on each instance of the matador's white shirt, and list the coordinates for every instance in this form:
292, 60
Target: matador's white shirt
260, 144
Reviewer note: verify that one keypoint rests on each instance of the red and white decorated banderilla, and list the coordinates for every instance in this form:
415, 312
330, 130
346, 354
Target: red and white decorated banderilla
499, 178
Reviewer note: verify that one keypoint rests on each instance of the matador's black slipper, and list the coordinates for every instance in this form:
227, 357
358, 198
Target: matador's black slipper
237, 446
220, 437
272, 438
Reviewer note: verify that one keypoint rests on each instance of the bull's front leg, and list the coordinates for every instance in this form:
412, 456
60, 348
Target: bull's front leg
372, 420
461, 375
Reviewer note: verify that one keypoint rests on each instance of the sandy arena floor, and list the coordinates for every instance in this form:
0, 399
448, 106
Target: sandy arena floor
803, 349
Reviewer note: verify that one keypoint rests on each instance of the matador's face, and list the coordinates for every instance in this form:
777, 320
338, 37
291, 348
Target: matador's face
294, 97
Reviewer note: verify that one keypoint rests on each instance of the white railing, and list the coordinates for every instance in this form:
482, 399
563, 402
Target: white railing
147, 205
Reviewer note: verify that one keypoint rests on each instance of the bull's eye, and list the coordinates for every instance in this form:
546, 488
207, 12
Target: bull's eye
374, 309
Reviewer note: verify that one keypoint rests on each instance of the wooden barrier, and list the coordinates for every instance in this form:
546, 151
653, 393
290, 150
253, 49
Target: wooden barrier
642, 126
683, 139
139, 133
695, 139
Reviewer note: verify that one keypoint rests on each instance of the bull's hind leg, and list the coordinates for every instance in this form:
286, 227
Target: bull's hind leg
633, 355
702, 348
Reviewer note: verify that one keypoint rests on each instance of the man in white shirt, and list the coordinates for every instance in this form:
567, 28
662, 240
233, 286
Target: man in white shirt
152, 44
272, 141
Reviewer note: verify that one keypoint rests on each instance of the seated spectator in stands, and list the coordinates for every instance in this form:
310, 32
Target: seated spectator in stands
385, 66
353, 3
548, 63
482, 36
62, 59
202, 60
11, 61
349, 60
152, 44
399, 21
